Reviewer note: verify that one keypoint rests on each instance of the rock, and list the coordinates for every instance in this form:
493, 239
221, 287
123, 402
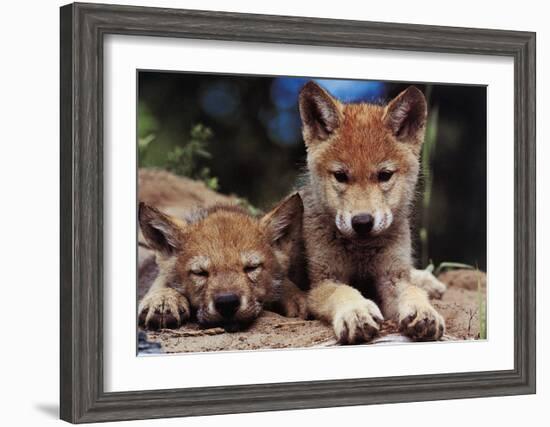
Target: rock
463, 278
147, 347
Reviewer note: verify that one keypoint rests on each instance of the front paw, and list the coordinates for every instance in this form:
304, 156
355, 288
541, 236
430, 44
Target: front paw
427, 281
295, 306
357, 321
163, 308
421, 322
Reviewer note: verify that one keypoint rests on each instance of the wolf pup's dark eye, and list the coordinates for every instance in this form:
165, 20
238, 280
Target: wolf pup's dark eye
341, 176
251, 268
200, 273
384, 176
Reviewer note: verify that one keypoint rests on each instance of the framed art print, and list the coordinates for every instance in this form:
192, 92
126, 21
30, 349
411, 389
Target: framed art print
309, 202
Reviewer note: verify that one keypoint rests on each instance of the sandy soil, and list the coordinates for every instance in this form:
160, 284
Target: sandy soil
460, 305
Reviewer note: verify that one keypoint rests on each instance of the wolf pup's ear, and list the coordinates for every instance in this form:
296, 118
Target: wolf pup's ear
160, 232
284, 223
320, 113
406, 114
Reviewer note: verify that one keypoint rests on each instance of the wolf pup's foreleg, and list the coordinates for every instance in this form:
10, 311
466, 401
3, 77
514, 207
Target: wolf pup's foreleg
417, 317
410, 306
353, 317
293, 301
163, 306
427, 281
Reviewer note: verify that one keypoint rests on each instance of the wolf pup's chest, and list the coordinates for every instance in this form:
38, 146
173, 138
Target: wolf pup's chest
361, 262
366, 284
361, 255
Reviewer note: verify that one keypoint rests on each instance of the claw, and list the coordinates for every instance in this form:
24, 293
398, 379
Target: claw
406, 320
163, 309
420, 326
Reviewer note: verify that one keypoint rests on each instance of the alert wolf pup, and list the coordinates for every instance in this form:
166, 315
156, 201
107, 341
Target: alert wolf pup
362, 170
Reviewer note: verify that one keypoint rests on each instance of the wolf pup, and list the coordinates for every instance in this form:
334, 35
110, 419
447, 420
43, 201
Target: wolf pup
222, 265
363, 164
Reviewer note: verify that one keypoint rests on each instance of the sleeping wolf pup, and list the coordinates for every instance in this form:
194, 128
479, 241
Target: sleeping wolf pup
222, 266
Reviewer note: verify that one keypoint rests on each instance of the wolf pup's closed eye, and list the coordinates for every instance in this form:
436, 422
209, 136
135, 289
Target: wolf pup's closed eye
363, 164
222, 266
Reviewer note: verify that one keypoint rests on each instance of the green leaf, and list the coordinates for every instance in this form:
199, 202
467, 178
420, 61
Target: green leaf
451, 265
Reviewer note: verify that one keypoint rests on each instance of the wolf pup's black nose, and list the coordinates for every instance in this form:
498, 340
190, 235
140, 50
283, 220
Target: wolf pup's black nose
362, 224
227, 304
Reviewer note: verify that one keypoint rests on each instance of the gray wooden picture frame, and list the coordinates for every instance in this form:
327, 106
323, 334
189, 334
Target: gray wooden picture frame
83, 27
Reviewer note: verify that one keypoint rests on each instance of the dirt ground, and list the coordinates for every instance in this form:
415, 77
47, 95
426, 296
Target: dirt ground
460, 304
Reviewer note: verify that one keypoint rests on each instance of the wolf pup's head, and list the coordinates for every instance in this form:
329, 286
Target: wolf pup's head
363, 159
226, 262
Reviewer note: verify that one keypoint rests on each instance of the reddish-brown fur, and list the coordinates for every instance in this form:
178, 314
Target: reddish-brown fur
220, 251
363, 163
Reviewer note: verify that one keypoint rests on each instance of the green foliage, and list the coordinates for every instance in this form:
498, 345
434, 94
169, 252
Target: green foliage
147, 123
447, 265
251, 209
482, 303
211, 181
186, 159
147, 128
